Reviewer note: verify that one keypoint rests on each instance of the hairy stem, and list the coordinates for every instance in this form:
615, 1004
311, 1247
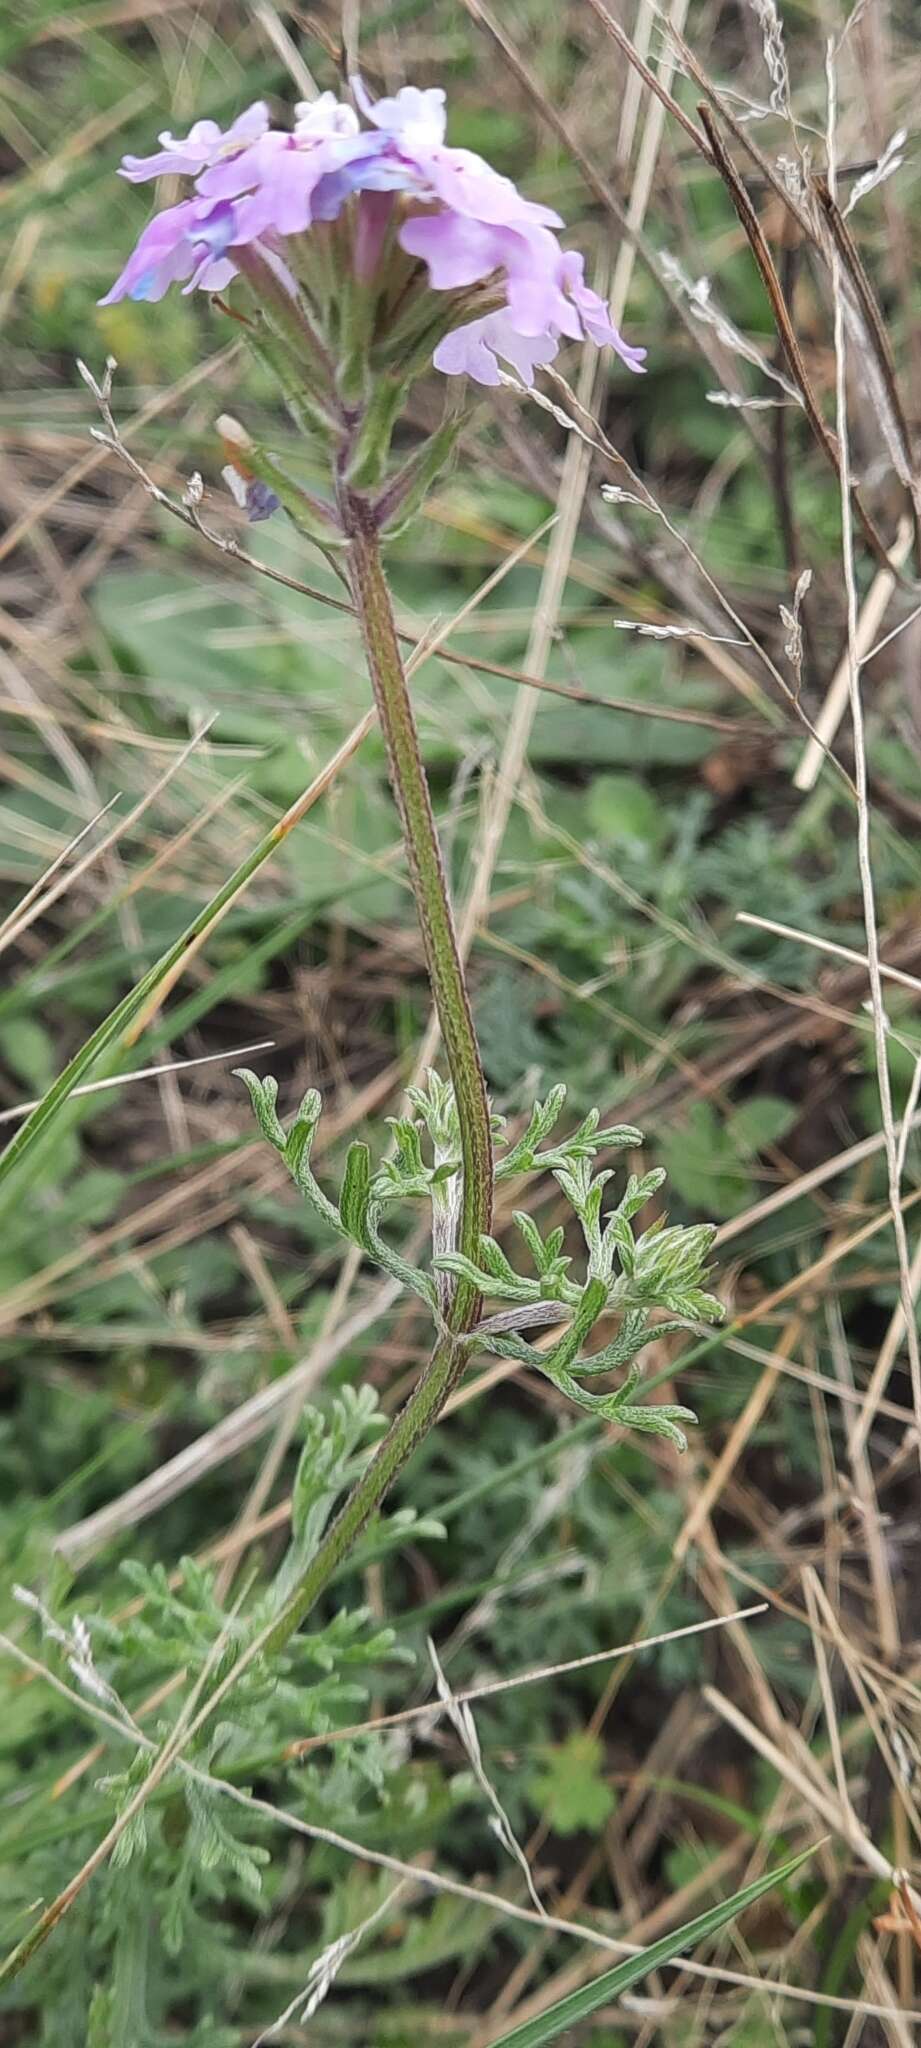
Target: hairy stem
414, 1421
410, 788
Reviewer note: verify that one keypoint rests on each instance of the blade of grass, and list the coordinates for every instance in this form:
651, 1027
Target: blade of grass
143, 1074
38, 1124
548, 2026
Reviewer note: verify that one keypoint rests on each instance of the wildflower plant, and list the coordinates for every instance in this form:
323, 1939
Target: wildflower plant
367, 251
360, 251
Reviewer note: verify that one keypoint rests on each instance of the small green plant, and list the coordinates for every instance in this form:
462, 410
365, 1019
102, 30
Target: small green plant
189, 1845
627, 1276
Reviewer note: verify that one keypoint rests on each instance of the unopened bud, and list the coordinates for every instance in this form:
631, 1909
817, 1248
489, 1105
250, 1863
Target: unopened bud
231, 431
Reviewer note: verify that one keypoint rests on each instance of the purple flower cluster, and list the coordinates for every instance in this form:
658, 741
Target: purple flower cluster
259, 186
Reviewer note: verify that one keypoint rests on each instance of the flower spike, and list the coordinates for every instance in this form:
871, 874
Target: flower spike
468, 233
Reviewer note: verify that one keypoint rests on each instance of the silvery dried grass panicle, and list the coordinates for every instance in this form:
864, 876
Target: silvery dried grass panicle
775, 55
889, 162
698, 293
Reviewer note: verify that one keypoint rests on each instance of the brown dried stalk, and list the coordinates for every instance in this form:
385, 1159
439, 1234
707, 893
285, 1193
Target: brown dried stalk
876, 330
827, 439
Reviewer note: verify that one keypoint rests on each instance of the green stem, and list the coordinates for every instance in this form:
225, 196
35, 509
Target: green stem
413, 1422
410, 788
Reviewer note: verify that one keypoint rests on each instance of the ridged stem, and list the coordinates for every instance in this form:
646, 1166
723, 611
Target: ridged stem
410, 787
411, 792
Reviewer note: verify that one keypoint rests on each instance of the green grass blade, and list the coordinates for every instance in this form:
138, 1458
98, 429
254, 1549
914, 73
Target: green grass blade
548, 2026
36, 1126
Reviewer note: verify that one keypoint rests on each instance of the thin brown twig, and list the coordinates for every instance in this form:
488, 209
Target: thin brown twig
757, 240
226, 545
768, 173
655, 84
601, 191
864, 854
876, 330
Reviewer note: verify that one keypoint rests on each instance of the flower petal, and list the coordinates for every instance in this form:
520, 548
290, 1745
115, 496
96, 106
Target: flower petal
472, 350
458, 252
417, 119
161, 257
595, 315
203, 145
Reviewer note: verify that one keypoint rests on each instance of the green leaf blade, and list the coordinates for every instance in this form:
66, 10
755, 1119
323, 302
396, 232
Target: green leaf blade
579, 2005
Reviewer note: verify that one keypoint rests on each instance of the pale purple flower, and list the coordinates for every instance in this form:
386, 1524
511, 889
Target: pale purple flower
253, 182
281, 186
285, 182
204, 144
187, 241
484, 225
466, 222
324, 116
594, 314
256, 499
416, 158
549, 309
461, 251
467, 185
472, 350
415, 117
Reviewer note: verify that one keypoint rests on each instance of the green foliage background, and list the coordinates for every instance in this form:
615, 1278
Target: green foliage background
156, 1272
